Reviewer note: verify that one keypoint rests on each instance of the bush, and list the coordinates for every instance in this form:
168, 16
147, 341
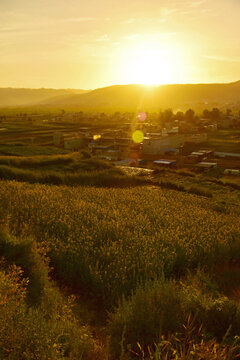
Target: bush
36, 161
94, 173
85, 154
172, 185
11, 173
197, 190
233, 185
161, 307
46, 332
185, 172
24, 254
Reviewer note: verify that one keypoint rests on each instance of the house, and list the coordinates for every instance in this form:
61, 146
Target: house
207, 152
210, 127
165, 162
227, 155
173, 130
206, 165
198, 155
157, 146
171, 152
231, 172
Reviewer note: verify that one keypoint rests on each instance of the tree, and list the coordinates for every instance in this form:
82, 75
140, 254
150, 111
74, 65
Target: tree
215, 113
228, 112
168, 115
206, 114
189, 115
179, 116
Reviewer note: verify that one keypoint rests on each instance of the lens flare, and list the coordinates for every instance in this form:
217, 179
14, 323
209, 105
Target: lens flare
138, 136
96, 137
142, 116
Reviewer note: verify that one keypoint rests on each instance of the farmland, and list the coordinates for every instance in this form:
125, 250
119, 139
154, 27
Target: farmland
102, 261
110, 243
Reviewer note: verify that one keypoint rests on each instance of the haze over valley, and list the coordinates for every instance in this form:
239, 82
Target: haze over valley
127, 97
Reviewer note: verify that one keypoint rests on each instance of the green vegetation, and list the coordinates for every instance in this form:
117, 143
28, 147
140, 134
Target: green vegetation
36, 320
136, 254
73, 169
100, 264
165, 307
21, 149
224, 140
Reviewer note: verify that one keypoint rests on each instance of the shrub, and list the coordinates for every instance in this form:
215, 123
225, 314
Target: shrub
185, 172
184, 345
49, 331
24, 254
172, 185
159, 308
200, 191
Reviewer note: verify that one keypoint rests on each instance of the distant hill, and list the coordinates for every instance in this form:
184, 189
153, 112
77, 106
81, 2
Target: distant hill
27, 97
135, 97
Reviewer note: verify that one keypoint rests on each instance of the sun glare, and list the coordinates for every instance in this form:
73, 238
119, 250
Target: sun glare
151, 64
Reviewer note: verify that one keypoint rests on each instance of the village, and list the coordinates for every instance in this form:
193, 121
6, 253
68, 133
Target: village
166, 139
179, 144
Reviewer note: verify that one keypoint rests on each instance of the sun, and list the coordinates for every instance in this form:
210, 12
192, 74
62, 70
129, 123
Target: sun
151, 63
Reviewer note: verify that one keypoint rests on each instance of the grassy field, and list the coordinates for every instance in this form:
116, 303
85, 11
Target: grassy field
73, 169
21, 149
21, 137
149, 233
225, 140
146, 257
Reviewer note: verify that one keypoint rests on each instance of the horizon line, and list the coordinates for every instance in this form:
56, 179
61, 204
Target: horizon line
112, 85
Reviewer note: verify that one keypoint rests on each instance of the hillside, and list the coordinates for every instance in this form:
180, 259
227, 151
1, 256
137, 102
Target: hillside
26, 97
134, 97
126, 97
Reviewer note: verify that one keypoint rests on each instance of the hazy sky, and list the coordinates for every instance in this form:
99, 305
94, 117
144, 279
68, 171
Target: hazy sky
94, 43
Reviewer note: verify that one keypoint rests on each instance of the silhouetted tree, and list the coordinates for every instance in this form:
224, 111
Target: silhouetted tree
179, 116
229, 112
206, 114
189, 115
168, 115
165, 116
215, 113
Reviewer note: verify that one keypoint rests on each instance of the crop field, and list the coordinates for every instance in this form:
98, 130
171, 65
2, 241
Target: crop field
132, 252
224, 140
21, 137
112, 239
100, 263
97, 263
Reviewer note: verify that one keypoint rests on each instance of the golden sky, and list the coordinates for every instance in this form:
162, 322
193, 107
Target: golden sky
88, 44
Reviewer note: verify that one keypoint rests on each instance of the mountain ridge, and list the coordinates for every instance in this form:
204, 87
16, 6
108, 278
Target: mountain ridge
10, 96
132, 97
